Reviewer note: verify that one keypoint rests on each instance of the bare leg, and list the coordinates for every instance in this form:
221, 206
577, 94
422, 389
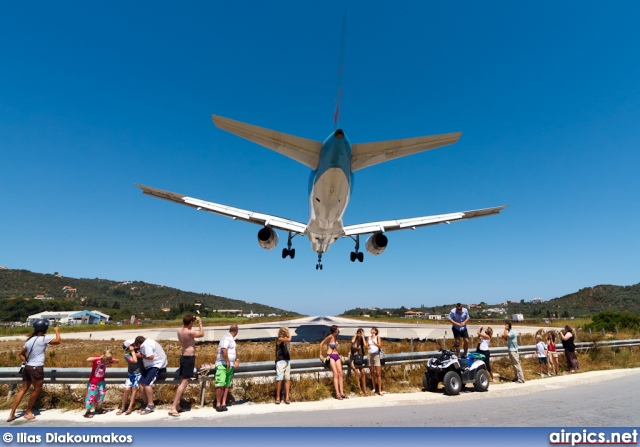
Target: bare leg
16, 401
287, 384
37, 387
176, 400
278, 389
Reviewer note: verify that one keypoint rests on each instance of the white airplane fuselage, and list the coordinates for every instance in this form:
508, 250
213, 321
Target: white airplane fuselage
330, 188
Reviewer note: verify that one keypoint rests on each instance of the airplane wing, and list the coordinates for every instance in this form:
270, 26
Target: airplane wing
364, 155
415, 222
227, 211
300, 149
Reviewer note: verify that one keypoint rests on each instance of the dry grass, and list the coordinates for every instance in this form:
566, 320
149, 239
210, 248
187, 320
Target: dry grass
310, 387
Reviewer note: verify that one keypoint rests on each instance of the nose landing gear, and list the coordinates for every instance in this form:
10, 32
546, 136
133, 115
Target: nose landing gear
319, 264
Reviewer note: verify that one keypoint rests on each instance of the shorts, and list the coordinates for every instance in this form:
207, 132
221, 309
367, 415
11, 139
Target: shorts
132, 380
223, 376
374, 359
187, 365
95, 395
553, 354
33, 373
283, 370
149, 376
460, 333
543, 360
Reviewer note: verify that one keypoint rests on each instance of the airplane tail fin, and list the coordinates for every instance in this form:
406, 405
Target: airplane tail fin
336, 113
364, 155
299, 149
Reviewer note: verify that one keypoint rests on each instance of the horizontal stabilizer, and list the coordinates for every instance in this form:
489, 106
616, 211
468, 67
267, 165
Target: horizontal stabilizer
300, 149
227, 211
364, 155
415, 222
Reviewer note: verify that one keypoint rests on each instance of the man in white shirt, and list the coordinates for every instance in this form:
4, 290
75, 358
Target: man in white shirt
154, 360
226, 361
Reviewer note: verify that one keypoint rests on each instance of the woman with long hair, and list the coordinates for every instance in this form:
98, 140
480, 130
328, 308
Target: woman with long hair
569, 345
553, 352
357, 349
32, 355
283, 366
483, 347
375, 347
335, 362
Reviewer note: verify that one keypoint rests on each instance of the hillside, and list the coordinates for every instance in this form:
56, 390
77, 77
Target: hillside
118, 299
585, 302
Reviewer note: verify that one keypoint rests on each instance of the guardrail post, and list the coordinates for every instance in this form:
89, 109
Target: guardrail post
203, 388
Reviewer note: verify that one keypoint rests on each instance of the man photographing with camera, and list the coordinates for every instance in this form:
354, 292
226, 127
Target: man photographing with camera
187, 338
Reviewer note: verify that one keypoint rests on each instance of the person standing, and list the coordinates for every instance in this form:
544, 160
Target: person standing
32, 356
95, 394
512, 346
335, 362
375, 366
553, 352
543, 359
226, 362
459, 317
135, 367
283, 365
569, 345
154, 360
357, 350
187, 338
483, 347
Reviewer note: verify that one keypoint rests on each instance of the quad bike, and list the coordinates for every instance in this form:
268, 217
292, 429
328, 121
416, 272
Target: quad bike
455, 372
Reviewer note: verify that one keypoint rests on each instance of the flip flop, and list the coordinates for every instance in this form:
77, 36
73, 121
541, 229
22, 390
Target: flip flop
277, 402
101, 411
11, 419
119, 412
88, 415
127, 413
287, 401
176, 414
29, 417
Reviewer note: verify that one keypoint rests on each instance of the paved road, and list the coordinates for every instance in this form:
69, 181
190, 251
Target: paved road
303, 329
594, 399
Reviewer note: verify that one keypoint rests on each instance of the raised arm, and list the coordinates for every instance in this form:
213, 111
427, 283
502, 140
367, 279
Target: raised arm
57, 340
200, 332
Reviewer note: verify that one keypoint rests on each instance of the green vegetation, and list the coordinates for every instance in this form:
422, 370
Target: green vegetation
120, 300
614, 321
583, 303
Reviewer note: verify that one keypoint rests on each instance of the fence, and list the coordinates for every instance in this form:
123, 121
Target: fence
267, 369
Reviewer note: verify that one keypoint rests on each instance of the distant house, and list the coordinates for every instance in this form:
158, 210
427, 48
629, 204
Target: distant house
537, 300
435, 317
125, 283
104, 318
411, 314
517, 317
475, 306
166, 309
67, 317
69, 289
3, 267
42, 297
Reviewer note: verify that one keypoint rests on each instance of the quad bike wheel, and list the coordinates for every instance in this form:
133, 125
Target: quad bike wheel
452, 383
481, 381
429, 383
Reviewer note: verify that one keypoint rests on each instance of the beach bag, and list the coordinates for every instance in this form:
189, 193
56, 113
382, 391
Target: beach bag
358, 359
383, 358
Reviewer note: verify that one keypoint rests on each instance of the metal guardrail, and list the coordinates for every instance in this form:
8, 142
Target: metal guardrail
267, 369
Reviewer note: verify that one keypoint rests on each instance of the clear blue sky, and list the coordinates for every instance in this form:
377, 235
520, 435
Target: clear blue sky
97, 97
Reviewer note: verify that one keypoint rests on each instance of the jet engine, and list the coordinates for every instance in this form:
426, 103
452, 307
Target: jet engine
376, 243
267, 238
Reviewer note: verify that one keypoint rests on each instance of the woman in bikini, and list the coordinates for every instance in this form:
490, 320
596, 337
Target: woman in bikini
334, 360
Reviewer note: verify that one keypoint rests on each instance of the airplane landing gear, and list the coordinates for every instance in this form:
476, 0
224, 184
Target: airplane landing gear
319, 264
289, 251
357, 254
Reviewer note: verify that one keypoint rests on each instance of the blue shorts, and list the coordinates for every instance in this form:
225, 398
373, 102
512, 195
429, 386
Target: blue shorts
460, 333
132, 380
543, 360
149, 376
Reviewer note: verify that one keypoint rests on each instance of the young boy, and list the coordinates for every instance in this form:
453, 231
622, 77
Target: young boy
543, 360
134, 363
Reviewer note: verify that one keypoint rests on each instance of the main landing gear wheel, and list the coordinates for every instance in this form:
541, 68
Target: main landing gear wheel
319, 264
289, 251
357, 254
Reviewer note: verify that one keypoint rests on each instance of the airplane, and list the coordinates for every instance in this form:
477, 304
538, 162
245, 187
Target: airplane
333, 164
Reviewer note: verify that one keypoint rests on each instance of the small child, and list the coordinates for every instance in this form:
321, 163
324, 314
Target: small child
543, 360
96, 386
134, 363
